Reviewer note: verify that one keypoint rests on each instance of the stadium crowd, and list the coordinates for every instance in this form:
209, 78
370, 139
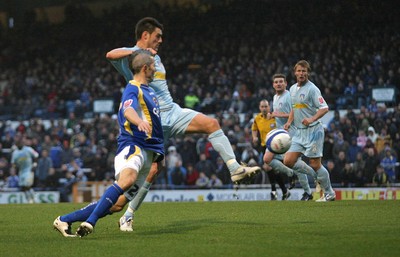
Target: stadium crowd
221, 66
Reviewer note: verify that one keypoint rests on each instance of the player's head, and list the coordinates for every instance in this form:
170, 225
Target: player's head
264, 107
279, 83
148, 32
142, 61
302, 70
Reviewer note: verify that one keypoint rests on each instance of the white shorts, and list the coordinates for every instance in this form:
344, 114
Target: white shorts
309, 141
26, 179
176, 120
135, 158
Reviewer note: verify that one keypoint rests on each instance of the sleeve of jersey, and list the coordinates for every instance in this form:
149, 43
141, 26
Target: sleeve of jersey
254, 126
130, 100
318, 100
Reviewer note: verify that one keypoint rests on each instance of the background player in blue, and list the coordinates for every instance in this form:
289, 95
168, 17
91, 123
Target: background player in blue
308, 107
140, 143
175, 120
22, 159
282, 105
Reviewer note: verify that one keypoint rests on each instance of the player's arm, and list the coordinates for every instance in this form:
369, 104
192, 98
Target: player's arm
320, 113
132, 116
289, 121
254, 132
280, 115
123, 52
118, 53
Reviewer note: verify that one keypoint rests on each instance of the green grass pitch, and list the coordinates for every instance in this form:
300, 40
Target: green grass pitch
290, 228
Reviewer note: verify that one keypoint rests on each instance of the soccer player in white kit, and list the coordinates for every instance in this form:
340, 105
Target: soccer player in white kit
22, 159
282, 106
175, 120
308, 107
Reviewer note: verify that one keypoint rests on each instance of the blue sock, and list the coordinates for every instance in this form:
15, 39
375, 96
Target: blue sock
109, 198
323, 178
79, 215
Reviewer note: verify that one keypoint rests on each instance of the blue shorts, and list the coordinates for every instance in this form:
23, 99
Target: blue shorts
176, 120
309, 141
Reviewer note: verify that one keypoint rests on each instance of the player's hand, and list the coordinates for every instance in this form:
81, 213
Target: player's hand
152, 51
307, 121
286, 126
144, 126
255, 140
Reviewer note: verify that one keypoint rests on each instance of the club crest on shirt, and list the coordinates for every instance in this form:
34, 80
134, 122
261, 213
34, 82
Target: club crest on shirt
127, 103
280, 105
302, 96
155, 100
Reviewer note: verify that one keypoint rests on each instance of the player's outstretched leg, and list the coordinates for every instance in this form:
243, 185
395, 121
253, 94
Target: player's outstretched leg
239, 173
63, 227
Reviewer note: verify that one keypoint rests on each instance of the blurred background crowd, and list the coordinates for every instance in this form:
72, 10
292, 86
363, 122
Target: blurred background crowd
220, 57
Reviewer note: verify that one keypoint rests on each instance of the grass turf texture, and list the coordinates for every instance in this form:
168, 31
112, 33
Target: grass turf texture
290, 228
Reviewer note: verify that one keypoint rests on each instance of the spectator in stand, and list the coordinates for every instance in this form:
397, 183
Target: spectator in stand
177, 175
382, 139
348, 176
223, 172
12, 180
373, 106
353, 150
389, 165
172, 158
192, 175
328, 146
202, 181
340, 145
204, 165
361, 139
214, 182
380, 178
372, 135
371, 162
334, 172
44, 165
191, 100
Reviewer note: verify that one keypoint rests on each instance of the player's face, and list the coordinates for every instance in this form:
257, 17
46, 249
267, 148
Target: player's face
149, 71
279, 85
154, 39
264, 108
301, 74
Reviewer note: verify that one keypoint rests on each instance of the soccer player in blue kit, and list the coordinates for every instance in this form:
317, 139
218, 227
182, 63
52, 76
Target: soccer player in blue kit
175, 120
282, 105
308, 107
140, 144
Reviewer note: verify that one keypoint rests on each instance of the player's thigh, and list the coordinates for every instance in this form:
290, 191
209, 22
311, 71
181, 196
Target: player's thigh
202, 123
176, 121
290, 158
315, 142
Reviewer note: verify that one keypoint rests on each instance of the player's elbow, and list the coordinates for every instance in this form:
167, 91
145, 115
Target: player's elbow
109, 56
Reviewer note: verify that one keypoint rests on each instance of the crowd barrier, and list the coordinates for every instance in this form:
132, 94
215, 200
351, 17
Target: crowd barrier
91, 191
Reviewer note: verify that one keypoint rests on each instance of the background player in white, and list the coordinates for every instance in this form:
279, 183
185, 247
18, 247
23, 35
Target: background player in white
175, 120
263, 124
22, 159
308, 107
282, 105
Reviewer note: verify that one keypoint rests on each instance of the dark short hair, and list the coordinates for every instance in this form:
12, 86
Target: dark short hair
148, 24
279, 75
